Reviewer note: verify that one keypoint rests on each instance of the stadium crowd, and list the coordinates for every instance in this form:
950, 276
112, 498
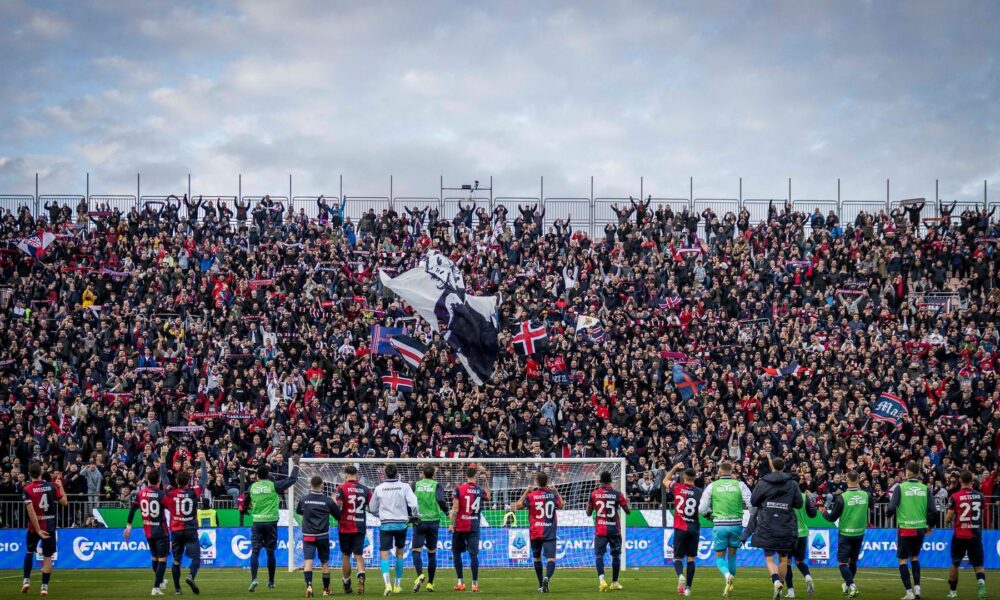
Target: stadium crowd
136, 330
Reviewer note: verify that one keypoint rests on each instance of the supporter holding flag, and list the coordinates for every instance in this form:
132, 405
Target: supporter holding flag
530, 339
687, 386
410, 349
889, 409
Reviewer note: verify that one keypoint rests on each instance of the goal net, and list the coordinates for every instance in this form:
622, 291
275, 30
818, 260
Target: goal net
503, 538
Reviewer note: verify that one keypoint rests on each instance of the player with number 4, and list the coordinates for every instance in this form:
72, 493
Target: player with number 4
40, 499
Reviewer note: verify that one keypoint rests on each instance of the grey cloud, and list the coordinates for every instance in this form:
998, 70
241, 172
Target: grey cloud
616, 90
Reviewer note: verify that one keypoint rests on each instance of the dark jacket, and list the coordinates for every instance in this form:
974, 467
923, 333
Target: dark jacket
774, 498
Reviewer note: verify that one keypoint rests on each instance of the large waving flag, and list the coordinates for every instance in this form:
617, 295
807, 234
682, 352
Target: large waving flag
890, 409
35, 245
436, 290
410, 349
687, 386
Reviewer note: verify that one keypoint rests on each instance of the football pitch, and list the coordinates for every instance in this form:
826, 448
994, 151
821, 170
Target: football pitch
659, 583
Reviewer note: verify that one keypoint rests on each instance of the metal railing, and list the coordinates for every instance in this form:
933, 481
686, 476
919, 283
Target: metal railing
80, 509
589, 214
12, 203
878, 515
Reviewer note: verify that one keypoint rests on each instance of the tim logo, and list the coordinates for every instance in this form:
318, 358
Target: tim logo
517, 544
819, 545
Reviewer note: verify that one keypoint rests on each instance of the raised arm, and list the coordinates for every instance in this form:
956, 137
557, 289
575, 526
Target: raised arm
669, 477
519, 505
283, 484
836, 509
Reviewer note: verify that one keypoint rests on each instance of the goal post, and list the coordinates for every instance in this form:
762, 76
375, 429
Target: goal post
503, 541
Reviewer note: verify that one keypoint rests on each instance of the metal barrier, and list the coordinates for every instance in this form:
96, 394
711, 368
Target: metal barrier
758, 209
676, 204
307, 204
851, 209
450, 207
824, 206
80, 508
720, 206
512, 202
929, 211
604, 214
356, 206
401, 203
12, 203
123, 203
961, 207
74, 514
564, 208
70, 199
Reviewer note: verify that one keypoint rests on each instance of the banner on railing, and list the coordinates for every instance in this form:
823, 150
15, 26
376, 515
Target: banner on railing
499, 547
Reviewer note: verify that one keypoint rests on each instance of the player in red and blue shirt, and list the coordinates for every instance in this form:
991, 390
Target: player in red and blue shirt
542, 502
687, 526
151, 502
466, 505
182, 504
353, 499
604, 504
40, 499
965, 514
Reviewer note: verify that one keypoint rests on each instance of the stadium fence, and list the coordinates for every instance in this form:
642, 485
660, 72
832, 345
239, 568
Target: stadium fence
589, 214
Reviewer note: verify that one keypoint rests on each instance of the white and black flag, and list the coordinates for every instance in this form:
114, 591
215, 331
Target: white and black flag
436, 290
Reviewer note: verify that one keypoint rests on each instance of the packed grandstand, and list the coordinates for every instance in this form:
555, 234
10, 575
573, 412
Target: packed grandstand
243, 329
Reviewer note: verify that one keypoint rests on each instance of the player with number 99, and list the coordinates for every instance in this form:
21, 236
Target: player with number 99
150, 501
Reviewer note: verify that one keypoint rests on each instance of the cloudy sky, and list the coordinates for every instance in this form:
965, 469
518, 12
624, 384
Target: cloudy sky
712, 90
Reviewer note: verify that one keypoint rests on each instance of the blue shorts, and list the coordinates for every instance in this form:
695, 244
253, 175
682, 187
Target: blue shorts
726, 536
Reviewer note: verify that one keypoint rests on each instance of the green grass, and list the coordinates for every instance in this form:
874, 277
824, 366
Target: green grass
650, 583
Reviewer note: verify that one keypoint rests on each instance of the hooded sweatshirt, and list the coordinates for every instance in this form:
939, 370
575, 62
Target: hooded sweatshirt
775, 498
